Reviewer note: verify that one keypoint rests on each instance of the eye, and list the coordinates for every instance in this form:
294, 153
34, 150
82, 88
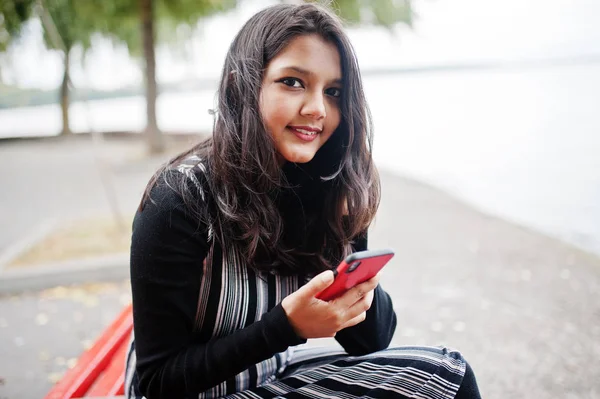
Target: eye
334, 92
292, 82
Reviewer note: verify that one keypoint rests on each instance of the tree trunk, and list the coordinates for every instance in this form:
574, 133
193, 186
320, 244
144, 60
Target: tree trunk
154, 136
64, 97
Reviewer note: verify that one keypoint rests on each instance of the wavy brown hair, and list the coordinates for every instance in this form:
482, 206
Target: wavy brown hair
299, 217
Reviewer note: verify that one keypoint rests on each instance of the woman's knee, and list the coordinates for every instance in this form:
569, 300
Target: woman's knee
468, 388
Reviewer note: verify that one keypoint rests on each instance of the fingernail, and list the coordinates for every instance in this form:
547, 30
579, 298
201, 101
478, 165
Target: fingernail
326, 277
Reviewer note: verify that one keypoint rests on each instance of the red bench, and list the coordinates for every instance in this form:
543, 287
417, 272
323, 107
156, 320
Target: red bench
99, 371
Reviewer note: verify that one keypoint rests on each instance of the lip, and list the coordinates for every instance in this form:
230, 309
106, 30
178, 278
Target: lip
303, 136
309, 128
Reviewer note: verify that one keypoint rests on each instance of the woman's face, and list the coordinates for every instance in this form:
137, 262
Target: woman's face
300, 97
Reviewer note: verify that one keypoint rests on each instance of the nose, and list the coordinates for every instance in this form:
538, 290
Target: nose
314, 106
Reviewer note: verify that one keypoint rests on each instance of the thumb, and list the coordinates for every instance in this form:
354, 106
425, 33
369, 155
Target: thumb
317, 283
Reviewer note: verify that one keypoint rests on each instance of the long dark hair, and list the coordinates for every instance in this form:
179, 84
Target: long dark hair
302, 217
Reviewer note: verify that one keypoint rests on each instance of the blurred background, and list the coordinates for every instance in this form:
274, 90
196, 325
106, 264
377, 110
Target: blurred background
487, 133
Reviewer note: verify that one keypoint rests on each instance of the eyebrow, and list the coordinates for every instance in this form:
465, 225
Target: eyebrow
306, 72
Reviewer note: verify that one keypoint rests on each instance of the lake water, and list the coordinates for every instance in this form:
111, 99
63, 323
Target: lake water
521, 144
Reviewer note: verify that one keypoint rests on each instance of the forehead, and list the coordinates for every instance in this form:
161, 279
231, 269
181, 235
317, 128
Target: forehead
311, 53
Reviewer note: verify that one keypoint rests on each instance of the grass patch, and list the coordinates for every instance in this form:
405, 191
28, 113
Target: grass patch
78, 239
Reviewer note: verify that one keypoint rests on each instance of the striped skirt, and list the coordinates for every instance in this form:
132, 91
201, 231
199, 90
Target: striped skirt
328, 372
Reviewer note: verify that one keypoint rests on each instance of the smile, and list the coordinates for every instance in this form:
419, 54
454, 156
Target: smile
305, 133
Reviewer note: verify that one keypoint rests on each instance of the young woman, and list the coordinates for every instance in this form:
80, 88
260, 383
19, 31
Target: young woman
235, 238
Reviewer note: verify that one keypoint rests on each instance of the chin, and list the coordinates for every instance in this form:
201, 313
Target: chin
299, 158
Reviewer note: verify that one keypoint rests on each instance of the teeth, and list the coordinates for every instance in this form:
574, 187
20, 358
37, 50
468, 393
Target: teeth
306, 132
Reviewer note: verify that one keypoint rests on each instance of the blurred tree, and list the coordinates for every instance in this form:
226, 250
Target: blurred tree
70, 22
65, 25
136, 23
12, 15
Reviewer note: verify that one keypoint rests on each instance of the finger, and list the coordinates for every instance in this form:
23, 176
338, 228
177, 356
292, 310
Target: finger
355, 320
355, 294
357, 309
375, 279
360, 306
316, 284
367, 286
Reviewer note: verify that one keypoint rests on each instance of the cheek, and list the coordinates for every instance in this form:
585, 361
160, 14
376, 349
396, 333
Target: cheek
274, 113
334, 118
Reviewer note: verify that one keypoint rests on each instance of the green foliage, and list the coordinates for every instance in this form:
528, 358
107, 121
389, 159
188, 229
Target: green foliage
376, 12
115, 19
120, 19
70, 22
65, 22
12, 15
63, 25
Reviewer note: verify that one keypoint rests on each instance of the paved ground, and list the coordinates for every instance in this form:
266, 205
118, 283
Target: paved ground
43, 333
51, 179
523, 308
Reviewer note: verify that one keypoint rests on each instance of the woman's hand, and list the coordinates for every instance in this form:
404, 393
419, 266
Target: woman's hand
313, 318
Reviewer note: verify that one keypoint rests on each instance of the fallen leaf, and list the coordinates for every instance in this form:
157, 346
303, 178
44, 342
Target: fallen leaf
44, 356
41, 319
57, 292
55, 377
90, 301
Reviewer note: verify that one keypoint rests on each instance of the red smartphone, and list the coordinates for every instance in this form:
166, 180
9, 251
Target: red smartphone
355, 269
